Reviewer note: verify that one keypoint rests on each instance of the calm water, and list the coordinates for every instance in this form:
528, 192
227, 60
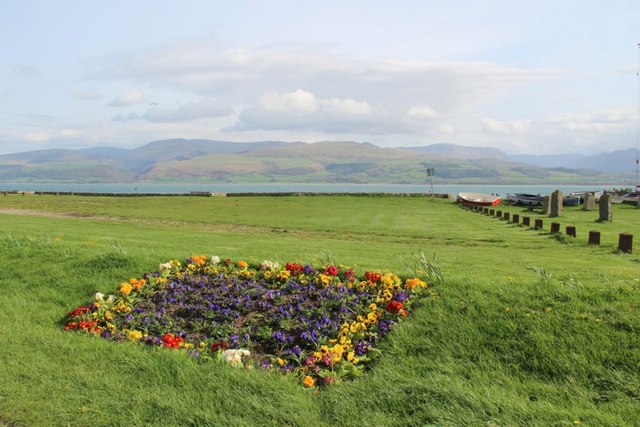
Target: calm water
168, 188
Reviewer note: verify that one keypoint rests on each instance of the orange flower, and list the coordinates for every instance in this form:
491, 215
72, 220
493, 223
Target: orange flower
137, 283
308, 381
412, 283
242, 264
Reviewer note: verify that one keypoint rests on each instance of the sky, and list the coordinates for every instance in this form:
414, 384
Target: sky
534, 77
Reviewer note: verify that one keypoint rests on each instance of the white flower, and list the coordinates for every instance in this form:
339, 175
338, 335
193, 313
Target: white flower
99, 296
234, 356
269, 265
111, 299
165, 266
215, 260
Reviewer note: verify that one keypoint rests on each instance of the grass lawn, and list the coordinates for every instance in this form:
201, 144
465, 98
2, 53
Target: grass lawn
528, 328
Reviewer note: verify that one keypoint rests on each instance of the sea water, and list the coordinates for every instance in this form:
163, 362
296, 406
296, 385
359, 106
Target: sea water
185, 188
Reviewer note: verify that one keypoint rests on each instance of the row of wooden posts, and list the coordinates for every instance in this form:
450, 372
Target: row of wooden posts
625, 240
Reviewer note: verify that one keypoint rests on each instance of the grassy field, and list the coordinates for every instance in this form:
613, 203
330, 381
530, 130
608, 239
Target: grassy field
527, 328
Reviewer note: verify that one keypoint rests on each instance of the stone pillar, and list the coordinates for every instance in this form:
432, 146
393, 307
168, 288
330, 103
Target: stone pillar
625, 242
545, 205
526, 221
571, 230
555, 227
589, 201
606, 211
539, 225
516, 218
555, 205
594, 237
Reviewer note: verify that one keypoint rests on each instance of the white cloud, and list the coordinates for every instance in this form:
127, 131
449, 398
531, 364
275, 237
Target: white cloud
597, 131
302, 110
504, 127
127, 99
347, 106
185, 112
419, 113
303, 87
299, 100
70, 132
37, 136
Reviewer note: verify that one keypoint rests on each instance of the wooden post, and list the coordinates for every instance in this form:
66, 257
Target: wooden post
539, 225
526, 221
594, 237
625, 242
516, 218
571, 230
555, 227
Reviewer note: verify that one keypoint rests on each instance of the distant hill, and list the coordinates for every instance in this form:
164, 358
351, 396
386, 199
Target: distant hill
202, 160
621, 161
461, 152
548, 160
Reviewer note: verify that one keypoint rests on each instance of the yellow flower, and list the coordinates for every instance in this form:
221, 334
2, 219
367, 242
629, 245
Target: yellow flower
308, 381
242, 264
122, 307
280, 361
324, 279
373, 307
284, 275
125, 288
134, 335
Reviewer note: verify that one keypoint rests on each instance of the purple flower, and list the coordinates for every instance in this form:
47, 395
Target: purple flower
401, 296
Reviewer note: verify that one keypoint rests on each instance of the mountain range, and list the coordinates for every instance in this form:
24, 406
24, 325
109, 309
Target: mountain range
203, 160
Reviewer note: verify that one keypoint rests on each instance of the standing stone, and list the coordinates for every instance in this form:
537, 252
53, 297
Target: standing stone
606, 211
589, 201
555, 205
545, 205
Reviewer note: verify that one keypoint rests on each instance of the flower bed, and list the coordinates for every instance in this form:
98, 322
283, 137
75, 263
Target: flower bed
322, 324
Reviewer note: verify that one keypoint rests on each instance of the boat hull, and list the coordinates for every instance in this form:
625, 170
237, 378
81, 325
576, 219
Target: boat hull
526, 199
479, 199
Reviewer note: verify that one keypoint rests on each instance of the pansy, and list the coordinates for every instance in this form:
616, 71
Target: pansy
292, 319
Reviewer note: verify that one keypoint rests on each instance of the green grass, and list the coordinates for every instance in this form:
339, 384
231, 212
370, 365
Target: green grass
526, 329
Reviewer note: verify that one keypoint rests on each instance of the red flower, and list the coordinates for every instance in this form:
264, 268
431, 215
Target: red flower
294, 268
395, 306
350, 275
219, 345
372, 277
172, 341
332, 270
79, 311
